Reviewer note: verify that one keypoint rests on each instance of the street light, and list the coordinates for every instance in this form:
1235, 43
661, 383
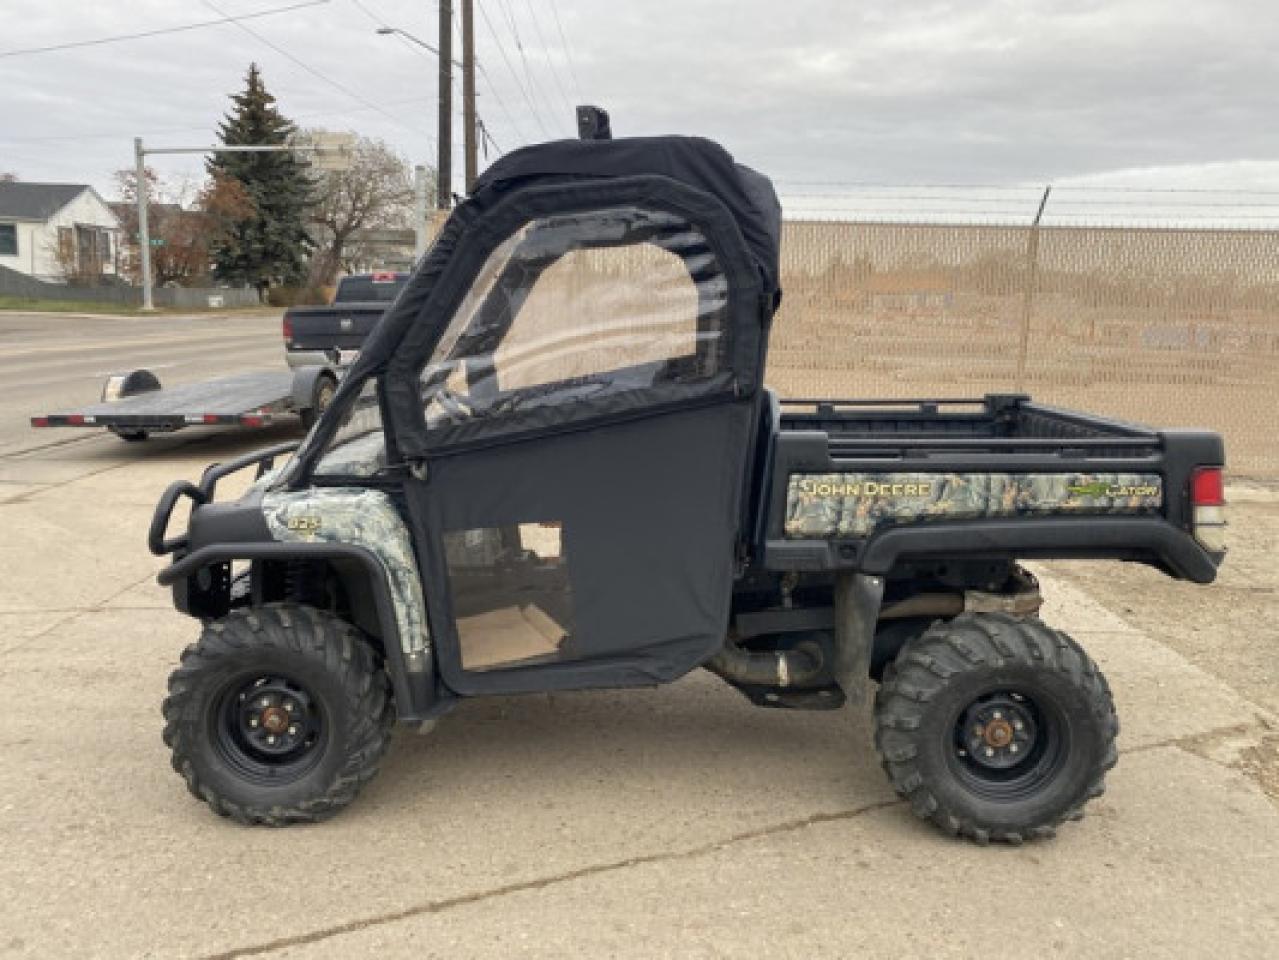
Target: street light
387, 31
444, 54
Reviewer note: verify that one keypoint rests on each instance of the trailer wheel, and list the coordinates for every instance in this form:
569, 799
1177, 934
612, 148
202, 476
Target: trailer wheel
121, 385
995, 728
278, 714
326, 385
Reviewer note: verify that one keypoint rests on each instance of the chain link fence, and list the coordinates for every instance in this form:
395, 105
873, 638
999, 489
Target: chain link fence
1165, 326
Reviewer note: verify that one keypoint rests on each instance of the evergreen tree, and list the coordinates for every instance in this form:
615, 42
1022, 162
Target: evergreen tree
272, 245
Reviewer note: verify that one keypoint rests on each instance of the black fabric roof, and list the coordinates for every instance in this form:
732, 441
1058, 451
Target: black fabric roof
696, 161
36, 201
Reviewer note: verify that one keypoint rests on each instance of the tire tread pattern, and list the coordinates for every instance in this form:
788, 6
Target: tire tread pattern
975, 642
302, 632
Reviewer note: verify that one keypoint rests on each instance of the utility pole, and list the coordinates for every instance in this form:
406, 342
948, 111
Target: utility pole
468, 89
144, 233
419, 212
444, 168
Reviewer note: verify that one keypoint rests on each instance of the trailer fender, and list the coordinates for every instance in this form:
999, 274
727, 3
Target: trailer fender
121, 385
312, 390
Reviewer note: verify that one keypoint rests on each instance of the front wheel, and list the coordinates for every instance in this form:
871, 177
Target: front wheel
278, 714
995, 728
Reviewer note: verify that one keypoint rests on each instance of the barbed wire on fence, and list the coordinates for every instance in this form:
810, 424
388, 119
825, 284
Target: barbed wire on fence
1067, 205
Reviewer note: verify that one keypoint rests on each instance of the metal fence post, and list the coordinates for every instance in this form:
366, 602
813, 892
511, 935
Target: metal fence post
1032, 281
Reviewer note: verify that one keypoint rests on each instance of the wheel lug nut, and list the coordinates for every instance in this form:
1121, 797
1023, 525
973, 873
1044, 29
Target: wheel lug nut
1012, 748
990, 751
293, 731
253, 721
289, 706
264, 702
271, 740
1018, 725
999, 715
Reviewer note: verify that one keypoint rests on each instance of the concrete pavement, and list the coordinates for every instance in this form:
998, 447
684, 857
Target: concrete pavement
679, 821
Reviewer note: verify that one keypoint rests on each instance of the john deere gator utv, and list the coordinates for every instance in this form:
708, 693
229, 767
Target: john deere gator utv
556, 466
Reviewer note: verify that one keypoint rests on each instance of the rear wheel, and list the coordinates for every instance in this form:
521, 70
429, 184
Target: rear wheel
326, 386
278, 714
995, 728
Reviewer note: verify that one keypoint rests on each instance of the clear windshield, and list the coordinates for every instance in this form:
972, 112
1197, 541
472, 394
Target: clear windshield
358, 448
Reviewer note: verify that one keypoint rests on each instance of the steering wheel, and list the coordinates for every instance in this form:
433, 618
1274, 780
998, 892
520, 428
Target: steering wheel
455, 406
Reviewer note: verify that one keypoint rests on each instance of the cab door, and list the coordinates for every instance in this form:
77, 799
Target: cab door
576, 506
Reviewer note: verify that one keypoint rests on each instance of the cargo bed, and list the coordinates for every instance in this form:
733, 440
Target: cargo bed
867, 483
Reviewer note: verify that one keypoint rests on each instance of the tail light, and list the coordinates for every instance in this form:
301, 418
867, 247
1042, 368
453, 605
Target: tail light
1208, 497
287, 325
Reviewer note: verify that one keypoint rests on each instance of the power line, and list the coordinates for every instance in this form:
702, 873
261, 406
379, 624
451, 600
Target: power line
314, 72
519, 45
511, 67
572, 69
479, 66
115, 134
546, 52
225, 18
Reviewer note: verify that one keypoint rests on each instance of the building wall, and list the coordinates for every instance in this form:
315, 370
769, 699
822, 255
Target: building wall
38, 242
25, 260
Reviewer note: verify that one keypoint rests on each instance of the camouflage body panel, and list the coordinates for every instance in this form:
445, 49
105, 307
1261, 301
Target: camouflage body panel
364, 518
855, 505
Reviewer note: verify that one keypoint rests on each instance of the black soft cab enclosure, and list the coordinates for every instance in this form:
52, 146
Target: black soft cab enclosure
570, 385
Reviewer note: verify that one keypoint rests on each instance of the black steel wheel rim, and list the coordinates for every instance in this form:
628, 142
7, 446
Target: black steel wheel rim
1007, 744
268, 728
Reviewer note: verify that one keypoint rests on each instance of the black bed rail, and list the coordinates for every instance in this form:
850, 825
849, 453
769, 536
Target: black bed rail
996, 444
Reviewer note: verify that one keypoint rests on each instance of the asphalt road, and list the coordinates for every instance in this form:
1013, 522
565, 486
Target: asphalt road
51, 362
673, 822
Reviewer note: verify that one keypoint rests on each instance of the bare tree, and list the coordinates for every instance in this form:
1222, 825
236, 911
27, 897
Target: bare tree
375, 192
184, 223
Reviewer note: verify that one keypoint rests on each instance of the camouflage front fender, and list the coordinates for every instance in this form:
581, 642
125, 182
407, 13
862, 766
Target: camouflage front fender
363, 518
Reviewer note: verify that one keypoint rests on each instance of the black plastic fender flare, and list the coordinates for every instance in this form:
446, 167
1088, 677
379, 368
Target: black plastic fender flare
413, 688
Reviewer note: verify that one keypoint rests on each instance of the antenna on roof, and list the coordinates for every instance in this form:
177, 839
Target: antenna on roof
592, 124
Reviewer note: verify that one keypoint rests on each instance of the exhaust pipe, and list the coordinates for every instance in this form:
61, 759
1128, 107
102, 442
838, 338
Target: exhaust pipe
767, 668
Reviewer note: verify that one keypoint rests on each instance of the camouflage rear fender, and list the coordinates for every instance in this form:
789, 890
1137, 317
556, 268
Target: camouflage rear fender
857, 504
363, 518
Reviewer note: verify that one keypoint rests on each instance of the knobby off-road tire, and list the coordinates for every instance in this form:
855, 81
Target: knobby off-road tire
995, 728
279, 714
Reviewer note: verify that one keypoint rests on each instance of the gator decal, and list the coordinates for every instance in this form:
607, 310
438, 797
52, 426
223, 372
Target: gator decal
366, 518
858, 504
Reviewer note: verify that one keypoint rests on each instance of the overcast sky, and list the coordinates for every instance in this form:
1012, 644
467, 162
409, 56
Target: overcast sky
820, 94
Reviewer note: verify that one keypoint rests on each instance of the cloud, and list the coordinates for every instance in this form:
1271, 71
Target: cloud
814, 90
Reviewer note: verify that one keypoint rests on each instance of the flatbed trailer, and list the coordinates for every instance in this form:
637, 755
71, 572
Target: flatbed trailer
134, 405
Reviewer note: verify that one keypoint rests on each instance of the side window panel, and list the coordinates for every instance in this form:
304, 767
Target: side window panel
575, 309
510, 594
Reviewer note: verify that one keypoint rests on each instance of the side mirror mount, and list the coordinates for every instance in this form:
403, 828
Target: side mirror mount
592, 123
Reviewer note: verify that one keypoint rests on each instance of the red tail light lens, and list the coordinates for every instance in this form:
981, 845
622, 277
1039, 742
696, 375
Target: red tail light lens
1207, 488
287, 326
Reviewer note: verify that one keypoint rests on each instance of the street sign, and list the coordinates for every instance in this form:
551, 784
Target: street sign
157, 241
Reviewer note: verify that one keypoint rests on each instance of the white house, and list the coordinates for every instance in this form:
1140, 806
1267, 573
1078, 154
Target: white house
57, 231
